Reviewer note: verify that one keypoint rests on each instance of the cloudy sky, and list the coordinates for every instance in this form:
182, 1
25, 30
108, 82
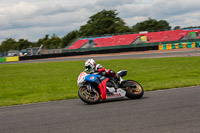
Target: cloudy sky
33, 19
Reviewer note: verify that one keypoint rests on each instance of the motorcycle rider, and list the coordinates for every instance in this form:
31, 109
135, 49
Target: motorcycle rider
92, 67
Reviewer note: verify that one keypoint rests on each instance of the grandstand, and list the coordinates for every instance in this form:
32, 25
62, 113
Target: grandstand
162, 40
78, 44
164, 36
128, 39
116, 40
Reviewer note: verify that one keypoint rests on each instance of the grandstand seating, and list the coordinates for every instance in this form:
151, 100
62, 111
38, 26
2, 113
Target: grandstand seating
152, 37
78, 44
116, 40
163, 36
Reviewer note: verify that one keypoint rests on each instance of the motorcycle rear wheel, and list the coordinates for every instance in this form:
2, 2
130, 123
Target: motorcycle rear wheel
136, 91
92, 97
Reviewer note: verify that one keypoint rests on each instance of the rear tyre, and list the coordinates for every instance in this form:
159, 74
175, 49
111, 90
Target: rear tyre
92, 97
136, 91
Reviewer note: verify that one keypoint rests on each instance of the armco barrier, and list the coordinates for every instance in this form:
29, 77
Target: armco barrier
91, 51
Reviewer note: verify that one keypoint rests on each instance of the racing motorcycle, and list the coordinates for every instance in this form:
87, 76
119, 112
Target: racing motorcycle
94, 88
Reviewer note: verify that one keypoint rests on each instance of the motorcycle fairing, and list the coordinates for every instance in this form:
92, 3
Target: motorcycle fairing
122, 73
100, 81
102, 88
92, 77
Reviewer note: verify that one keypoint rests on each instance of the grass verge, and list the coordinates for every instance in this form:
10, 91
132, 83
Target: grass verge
38, 82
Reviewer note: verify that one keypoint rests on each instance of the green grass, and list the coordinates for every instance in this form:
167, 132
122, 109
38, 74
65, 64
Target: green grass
37, 82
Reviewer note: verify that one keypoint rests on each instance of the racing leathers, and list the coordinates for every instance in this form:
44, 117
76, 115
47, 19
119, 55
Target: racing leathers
99, 69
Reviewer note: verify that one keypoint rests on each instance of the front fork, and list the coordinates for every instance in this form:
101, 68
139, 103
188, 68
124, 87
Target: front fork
89, 88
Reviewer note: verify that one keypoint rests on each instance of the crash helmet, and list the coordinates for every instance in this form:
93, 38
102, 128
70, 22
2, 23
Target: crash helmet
90, 65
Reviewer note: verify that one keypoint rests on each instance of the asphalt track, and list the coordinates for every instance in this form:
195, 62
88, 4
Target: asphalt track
165, 111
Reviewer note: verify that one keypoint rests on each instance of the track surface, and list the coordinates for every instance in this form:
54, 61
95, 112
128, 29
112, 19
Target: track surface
166, 111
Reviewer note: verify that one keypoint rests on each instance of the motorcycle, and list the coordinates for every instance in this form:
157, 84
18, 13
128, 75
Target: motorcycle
94, 88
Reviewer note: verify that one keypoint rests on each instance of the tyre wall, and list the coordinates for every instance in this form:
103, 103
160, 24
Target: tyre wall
179, 45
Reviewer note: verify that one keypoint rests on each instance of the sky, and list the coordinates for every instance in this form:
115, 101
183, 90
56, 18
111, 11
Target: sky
33, 19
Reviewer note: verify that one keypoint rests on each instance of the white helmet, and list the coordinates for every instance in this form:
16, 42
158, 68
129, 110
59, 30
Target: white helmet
90, 65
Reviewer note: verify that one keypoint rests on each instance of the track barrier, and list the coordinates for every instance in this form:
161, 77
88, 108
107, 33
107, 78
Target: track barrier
178, 45
9, 59
112, 49
2, 59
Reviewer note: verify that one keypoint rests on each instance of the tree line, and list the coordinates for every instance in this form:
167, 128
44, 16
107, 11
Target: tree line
102, 23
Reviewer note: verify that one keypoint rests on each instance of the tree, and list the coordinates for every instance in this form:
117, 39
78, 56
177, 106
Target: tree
177, 28
69, 38
55, 42
41, 41
104, 22
151, 25
22, 44
191, 27
50, 43
8, 44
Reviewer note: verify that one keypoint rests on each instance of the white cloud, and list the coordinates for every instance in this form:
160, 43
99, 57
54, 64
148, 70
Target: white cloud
134, 20
9, 14
33, 18
186, 19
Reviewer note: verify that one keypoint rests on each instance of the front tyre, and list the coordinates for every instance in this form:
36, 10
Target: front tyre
88, 97
136, 91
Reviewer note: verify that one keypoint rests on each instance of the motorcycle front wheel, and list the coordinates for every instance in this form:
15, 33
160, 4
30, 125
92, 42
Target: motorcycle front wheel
134, 92
89, 97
